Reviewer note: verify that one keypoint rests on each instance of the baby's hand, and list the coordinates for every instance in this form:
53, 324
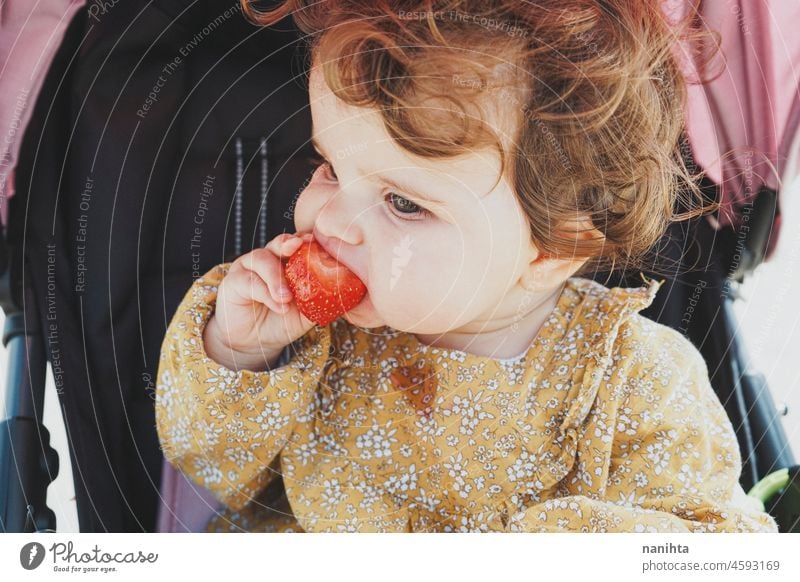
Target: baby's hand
254, 320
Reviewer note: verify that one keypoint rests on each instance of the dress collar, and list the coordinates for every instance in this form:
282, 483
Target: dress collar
598, 311
584, 300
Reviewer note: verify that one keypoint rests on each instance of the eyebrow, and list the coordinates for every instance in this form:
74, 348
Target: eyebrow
405, 188
413, 193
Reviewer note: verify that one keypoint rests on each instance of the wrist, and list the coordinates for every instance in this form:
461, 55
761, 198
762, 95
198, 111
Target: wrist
236, 359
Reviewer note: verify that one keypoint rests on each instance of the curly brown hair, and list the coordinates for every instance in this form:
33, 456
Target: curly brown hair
597, 83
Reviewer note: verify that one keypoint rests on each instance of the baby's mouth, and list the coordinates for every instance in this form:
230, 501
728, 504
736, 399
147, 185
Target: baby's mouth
334, 252
323, 287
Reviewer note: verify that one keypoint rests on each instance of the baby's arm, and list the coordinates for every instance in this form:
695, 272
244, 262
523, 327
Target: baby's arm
674, 467
223, 427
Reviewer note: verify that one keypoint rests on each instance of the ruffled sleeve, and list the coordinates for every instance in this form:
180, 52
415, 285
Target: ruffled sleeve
225, 428
674, 461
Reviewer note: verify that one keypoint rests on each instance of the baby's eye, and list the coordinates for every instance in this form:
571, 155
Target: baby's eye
405, 207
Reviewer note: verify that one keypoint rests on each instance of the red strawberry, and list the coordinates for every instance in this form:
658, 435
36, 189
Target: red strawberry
323, 288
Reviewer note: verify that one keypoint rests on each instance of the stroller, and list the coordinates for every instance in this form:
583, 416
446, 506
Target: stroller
155, 140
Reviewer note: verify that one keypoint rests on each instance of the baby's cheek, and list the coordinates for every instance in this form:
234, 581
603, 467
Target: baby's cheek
421, 299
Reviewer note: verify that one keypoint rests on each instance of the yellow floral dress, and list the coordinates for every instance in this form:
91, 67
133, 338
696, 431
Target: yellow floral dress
607, 423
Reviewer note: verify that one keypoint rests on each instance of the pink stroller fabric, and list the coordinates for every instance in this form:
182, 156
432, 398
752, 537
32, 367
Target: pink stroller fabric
29, 38
752, 109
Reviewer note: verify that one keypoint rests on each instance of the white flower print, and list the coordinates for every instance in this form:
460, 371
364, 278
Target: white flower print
370, 495
658, 454
225, 381
631, 499
428, 429
470, 409
180, 437
523, 468
208, 471
494, 490
331, 445
514, 371
507, 403
210, 432
333, 494
239, 456
378, 343
456, 469
401, 484
377, 442
444, 355
626, 424
348, 525
426, 501
167, 394
270, 420
236, 430
215, 411
306, 452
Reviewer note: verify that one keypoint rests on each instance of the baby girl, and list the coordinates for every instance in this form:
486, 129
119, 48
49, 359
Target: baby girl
475, 160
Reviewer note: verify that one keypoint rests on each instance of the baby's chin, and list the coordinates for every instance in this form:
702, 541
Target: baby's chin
366, 316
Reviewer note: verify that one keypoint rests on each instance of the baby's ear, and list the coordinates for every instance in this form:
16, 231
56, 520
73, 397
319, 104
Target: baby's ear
546, 271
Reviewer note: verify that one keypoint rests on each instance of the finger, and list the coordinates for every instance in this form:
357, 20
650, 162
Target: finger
295, 323
270, 269
247, 286
285, 245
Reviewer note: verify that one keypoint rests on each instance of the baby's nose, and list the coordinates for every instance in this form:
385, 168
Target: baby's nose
337, 221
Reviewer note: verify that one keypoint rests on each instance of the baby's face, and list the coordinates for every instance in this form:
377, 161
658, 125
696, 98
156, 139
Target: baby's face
438, 244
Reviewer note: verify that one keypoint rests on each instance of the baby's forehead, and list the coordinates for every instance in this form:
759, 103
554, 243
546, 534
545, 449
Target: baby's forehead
344, 133
499, 101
